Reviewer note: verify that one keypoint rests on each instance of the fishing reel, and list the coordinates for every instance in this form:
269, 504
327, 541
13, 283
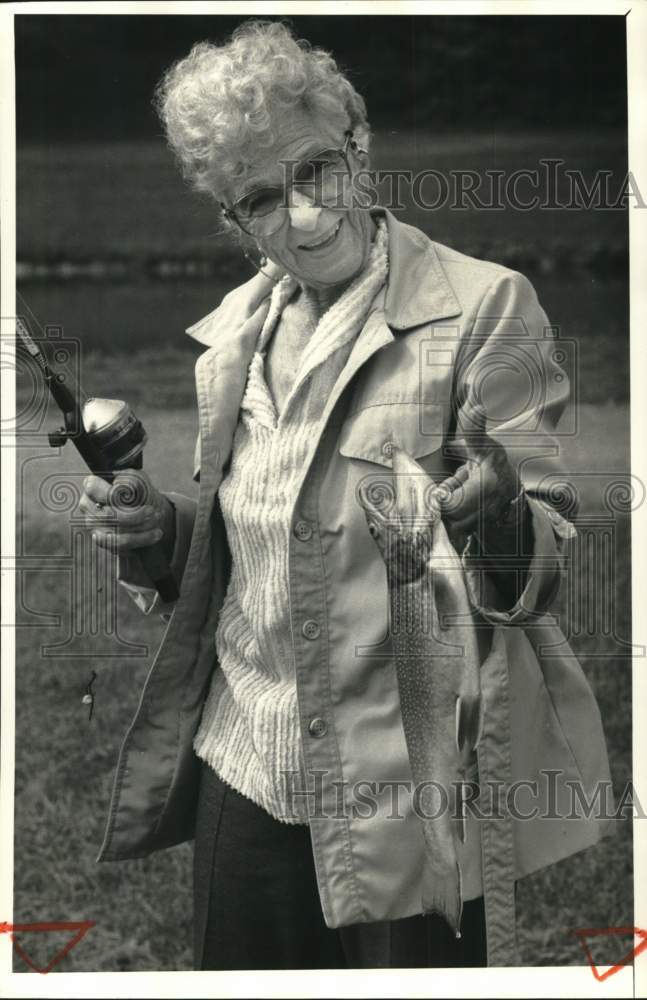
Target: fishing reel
109, 438
112, 433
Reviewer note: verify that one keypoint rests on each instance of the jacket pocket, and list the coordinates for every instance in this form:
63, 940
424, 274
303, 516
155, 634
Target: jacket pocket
415, 427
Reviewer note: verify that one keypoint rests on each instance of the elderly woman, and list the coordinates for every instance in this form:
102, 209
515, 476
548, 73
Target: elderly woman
270, 728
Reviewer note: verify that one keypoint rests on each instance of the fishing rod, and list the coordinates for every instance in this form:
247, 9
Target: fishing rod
109, 438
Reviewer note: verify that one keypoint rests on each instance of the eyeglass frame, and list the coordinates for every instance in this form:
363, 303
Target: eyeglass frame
350, 144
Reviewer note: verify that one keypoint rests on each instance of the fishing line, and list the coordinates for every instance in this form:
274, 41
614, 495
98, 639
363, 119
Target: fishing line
39, 326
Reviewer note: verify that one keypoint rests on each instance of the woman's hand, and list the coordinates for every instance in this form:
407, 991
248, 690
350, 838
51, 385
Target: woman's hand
129, 513
477, 499
479, 493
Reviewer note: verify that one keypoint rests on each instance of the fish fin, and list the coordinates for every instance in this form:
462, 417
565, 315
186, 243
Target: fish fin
442, 893
459, 820
469, 722
481, 722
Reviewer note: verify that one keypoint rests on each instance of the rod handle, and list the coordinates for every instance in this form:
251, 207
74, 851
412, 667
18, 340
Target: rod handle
153, 559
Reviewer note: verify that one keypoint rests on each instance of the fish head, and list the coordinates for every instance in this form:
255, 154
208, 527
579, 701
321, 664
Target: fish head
401, 514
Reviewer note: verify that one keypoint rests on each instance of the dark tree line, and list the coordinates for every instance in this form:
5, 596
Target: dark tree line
87, 76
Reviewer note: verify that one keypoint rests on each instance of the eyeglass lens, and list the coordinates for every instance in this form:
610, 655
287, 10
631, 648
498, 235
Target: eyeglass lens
320, 179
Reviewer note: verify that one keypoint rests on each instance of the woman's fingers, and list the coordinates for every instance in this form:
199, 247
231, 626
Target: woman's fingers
119, 541
131, 489
97, 490
479, 490
458, 495
451, 484
133, 516
465, 501
139, 519
125, 514
464, 494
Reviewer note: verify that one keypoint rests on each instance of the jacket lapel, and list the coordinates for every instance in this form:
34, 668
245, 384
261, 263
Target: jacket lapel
221, 376
417, 292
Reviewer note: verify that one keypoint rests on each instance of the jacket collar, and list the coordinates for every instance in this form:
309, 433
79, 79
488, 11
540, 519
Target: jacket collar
417, 290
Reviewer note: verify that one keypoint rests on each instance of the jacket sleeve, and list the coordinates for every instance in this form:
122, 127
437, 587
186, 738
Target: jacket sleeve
131, 574
509, 365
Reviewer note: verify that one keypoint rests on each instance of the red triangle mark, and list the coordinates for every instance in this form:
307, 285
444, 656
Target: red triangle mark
599, 932
80, 926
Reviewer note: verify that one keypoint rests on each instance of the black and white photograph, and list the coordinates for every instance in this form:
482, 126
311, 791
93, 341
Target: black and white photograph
323, 499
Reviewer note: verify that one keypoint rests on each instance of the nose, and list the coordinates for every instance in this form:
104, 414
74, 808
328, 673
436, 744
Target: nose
303, 212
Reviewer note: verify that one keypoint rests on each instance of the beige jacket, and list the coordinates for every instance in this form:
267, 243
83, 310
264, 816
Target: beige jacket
444, 322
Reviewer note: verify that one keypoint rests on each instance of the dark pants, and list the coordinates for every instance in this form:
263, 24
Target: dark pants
257, 904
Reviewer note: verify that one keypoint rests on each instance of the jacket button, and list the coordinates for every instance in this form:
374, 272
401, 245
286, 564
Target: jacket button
311, 629
318, 727
303, 531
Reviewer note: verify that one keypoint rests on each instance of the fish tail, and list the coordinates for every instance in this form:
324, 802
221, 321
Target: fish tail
442, 894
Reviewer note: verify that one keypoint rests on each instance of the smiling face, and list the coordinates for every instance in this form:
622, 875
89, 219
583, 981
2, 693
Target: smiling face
319, 246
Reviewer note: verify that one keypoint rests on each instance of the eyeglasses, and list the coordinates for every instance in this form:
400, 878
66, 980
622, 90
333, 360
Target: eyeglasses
320, 180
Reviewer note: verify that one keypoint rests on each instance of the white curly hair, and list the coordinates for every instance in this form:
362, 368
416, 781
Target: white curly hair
221, 102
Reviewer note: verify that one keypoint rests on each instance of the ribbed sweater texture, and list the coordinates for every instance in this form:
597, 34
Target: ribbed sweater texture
249, 731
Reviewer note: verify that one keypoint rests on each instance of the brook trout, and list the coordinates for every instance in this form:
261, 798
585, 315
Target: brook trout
437, 666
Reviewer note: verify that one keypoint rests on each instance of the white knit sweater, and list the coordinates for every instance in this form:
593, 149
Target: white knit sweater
249, 732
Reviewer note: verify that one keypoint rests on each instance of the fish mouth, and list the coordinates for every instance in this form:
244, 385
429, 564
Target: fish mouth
404, 464
324, 241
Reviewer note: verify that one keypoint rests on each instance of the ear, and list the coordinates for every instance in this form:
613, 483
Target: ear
359, 152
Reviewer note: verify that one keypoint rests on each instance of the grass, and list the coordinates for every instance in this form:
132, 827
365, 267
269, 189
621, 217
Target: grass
64, 764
